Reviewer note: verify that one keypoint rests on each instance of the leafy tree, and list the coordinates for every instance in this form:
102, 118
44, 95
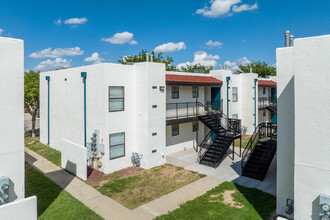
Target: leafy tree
261, 67
196, 68
31, 96
141, 57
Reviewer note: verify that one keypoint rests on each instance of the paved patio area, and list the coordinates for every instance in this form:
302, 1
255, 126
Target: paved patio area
228, 170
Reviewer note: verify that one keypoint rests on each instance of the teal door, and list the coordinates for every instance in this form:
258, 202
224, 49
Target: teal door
215, 97
215, 102
274, 99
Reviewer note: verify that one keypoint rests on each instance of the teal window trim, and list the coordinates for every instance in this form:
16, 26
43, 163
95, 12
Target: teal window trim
48, 110
84, 76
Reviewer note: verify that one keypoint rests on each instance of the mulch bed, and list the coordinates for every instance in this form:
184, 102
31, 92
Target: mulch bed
96, 177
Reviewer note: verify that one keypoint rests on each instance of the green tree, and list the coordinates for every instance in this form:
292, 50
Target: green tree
31, 96
141, 57
196, 68
262, 68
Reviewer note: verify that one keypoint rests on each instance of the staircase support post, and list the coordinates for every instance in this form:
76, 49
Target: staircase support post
240, 146
234, 149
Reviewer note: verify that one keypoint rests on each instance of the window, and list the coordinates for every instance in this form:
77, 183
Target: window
235, 94
117, 145
116, 98
264, 90
175, 130
195, 92
195, 126
264, 113
235, 116
175, 92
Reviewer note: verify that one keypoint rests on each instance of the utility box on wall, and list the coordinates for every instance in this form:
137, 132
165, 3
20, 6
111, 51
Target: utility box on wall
324, 207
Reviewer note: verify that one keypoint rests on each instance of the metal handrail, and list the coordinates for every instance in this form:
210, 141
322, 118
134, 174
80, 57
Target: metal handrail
204, 145
180, 110
263, 130
272, 135
266, 101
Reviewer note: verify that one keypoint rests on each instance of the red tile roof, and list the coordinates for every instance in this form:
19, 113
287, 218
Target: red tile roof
266, 83
185, 79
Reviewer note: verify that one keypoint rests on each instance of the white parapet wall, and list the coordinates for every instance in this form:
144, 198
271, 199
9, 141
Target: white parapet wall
21, 209
12, 115
74, 158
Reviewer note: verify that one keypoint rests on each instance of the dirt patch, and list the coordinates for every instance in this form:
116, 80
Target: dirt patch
229, 200
226, 198
97, 178
144, 186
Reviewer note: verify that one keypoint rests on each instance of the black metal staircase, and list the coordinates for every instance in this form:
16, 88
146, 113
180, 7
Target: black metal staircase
212, 151
260, 151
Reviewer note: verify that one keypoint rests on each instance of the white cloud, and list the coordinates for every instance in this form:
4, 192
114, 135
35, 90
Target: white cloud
76, 21
212, 44
95, 58
121, 38
233, 66
58, 22
170, 47
58, 52
1, 31
202, 58
53, 64
244, 7
225, 8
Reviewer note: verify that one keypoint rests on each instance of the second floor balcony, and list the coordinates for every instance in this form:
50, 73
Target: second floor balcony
265, 102
184, 110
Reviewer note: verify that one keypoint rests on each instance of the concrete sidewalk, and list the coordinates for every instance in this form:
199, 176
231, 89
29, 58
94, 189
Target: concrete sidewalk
109, 208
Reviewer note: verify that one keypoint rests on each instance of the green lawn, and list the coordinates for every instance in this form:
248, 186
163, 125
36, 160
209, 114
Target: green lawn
53, 202
49, 153
136, 190
252, 204
245, 140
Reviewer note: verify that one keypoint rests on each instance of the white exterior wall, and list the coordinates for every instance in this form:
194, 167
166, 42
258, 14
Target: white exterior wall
139, 120
12, 114
150, 120
248, 102
305, 69
312, 127
186, 138
285, 131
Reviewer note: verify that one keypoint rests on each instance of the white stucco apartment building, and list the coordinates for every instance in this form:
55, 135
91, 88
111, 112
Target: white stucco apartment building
13, 204
303, 164
139, 108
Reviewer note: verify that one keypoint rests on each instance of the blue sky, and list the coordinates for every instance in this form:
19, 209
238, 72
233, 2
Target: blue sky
245, 29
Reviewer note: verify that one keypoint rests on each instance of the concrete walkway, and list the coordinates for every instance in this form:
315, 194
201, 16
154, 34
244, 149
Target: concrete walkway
109, 208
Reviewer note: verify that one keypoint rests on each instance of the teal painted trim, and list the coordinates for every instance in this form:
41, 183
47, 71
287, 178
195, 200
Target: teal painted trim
48, 80
227, 79
84, 76
255, 103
